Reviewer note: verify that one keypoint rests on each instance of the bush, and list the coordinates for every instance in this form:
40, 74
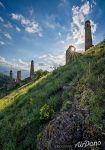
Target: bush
41, 73
46, 112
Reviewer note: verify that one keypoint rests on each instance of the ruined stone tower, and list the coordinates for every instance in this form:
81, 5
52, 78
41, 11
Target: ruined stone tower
88, 35
18, 76
32, 69
70, 53
11, 75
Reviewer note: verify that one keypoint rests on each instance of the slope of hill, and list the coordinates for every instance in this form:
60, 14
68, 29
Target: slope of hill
78, 86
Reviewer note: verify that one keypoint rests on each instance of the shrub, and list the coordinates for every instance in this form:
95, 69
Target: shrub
46, 112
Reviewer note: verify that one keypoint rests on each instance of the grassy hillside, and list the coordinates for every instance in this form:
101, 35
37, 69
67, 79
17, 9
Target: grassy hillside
26, 111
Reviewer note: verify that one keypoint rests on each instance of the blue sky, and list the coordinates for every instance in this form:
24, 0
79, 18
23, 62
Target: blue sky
42, 30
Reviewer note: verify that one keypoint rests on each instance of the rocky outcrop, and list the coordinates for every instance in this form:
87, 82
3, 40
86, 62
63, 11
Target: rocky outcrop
65, 131
61, 131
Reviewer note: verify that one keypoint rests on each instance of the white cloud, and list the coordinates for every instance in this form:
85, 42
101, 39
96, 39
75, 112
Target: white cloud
30, 26
50, 61
7, 35
2, 5
43, 56
63, 3
50, 25
51, 22
15, 63
93, 26
44, 62
2, 43
2, 60
23, 62
8, 25
62, 42
94, 2
60, 34
1, 19
68, 37
21, 18
79, 15
18, 29
40, 34
23, 65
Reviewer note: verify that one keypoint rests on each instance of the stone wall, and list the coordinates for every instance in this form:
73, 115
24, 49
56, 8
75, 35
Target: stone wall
88, 35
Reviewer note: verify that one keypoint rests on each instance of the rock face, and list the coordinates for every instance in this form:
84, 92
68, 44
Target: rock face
69, 128
88, 35
65, 130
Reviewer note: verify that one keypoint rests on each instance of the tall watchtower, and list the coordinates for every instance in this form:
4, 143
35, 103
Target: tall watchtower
11, 75
88, 35
70, 53
32, 69
18, 76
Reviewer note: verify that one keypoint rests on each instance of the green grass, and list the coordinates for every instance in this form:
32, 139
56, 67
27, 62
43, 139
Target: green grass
26, 110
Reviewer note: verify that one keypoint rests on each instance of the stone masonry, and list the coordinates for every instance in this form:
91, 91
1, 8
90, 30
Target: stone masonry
69, 53
32, 69
11, 74
18, 76
88, 35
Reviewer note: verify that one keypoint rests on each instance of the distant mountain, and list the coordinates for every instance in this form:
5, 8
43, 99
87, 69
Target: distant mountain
6, 69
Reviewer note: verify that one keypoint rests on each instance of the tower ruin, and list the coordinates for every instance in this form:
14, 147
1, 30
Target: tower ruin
88, 35
11, 74
32, 69
70, 53
18, 76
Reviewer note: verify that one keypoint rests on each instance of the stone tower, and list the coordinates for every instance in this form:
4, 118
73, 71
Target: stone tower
70, 53
32, 69
11, 75
18, 76
88, 35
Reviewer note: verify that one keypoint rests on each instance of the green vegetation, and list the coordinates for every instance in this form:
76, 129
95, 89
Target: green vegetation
46, 112
26, 110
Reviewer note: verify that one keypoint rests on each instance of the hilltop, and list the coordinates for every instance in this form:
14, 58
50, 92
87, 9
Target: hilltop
30, 114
